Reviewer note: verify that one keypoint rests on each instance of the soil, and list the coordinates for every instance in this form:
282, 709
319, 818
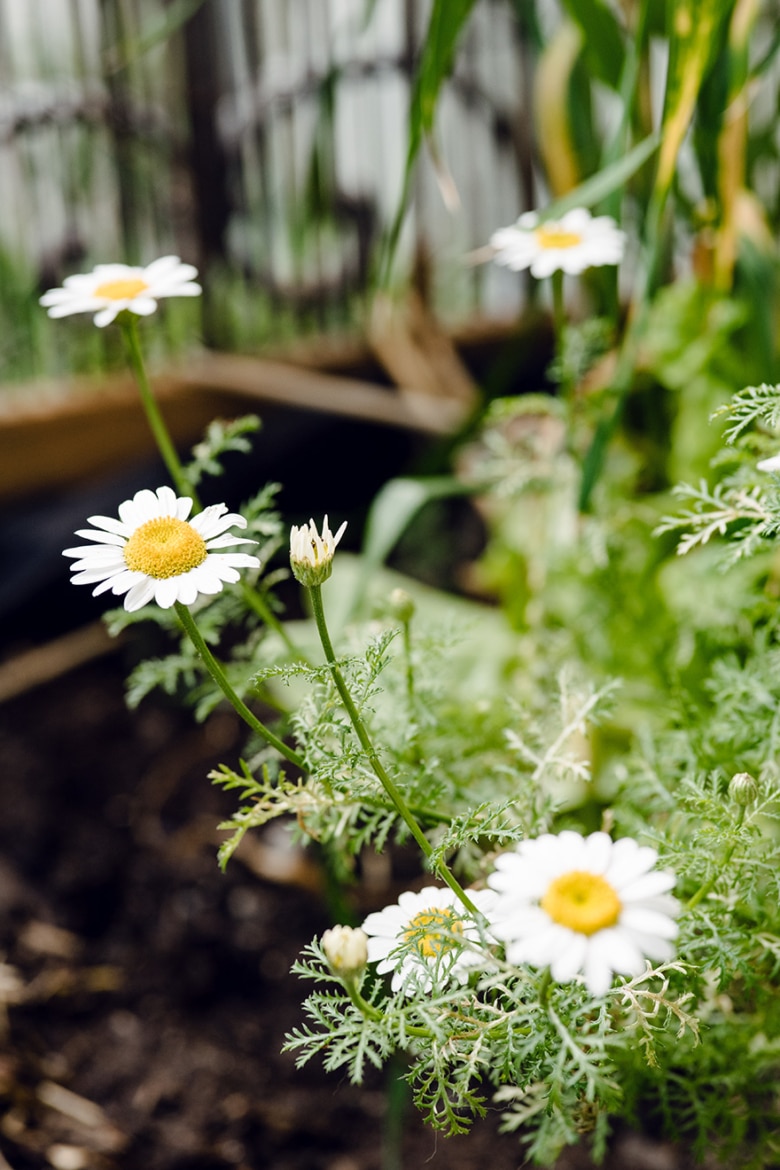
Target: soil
146, 993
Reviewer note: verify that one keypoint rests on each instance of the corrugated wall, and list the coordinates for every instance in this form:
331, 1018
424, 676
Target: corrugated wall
263, 139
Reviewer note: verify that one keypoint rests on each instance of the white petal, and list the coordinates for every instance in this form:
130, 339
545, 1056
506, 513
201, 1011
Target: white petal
378, 950
518, 923
597, 852
216, 570
84, 571
102, 537
648, 922
187, 289
226, 540
628, 862
121, 582
90, 576
140, 595
215, 520
208, 581
648, 885
107, 315
102, 273
163, 267
74, 305
167, 501
143, 506
653, 947
110, 524
570, 960
546, 263
96, 552
166, 592
188, 589
142, 306
619, 949
598, 973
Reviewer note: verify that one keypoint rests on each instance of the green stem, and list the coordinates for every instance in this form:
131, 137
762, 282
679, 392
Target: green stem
174, 465
593, 462
389, 785
559, 313
544, 986
363, 1006
704, 889
407, 633
127, 323
220, 678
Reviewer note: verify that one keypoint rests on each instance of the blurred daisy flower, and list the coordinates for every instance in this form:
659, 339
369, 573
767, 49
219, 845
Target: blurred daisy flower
311, 555
770, 464
426, 935
583, 904
570, 244
111, 288
153, 552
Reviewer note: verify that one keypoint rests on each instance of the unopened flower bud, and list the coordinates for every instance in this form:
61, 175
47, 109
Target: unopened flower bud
346, 950
743, 789
402, 605
311, 555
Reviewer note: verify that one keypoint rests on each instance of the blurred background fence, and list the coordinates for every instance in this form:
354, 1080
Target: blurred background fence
264, 140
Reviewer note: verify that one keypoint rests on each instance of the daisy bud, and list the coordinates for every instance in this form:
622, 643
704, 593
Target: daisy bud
743, 789
346, 950
402, 606
311, 555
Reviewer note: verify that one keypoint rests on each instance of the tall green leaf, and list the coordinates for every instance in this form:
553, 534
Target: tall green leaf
393, 509
694, 34
603, 44
448, 18
596, 188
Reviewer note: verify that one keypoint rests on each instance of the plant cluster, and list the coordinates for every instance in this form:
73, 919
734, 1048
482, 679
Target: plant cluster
588, 769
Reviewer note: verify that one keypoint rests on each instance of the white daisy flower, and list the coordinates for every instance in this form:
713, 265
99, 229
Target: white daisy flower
111, 288
570, 244
311, 555
584, 904
153, 552
420, 937
770, 464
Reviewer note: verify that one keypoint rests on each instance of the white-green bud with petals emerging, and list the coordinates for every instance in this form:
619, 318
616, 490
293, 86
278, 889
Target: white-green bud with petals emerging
311, 554
402, 606
743, 789
346, 950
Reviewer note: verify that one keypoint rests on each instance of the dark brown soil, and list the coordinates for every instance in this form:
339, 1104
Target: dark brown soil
146, 993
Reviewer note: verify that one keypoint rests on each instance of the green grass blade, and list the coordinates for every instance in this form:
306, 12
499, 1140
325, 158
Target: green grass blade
603, 43
448, 18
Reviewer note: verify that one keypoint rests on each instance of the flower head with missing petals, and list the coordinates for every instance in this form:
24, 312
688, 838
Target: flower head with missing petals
584, 904
113, 288
311, 555
154, 552
427, 936
570, 244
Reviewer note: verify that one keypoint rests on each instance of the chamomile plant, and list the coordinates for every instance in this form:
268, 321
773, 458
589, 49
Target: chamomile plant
593, 933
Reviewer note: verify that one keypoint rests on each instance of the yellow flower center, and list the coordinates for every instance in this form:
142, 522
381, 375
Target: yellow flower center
428, 931
583, 901
165, 547
121, 290
551, 235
